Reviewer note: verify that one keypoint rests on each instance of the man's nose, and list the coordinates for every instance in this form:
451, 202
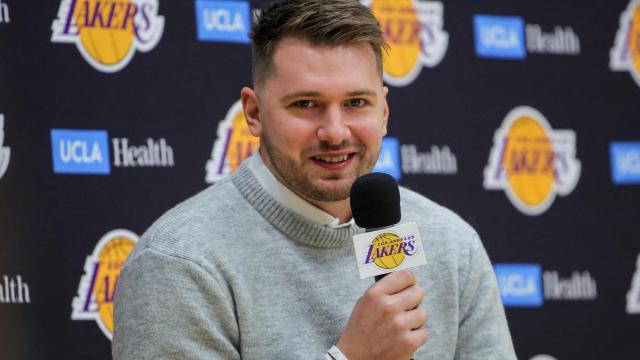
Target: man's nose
334, 129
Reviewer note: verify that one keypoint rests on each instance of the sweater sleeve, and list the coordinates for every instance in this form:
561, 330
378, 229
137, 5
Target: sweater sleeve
168, 307
483, 329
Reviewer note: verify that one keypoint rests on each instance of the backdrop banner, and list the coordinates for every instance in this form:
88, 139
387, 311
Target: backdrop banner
521, 116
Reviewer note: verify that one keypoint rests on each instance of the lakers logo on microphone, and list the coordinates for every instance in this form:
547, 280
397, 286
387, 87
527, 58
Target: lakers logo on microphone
532, 162
383, 251
388, 250
108, 33
625, 54
414, 31
233, 145
98, 284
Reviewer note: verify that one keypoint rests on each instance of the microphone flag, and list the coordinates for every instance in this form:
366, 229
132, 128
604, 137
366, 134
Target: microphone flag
389, 249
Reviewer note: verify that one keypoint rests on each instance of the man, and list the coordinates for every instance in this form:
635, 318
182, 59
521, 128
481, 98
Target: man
261, 264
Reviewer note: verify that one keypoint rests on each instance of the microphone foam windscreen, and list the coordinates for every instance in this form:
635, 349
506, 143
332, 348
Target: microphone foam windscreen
375, 201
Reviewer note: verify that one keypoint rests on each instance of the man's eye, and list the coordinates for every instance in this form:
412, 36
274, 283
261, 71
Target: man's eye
303, 103
356, 102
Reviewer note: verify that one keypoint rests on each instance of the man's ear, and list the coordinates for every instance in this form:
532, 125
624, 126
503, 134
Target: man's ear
385, 114
251, 110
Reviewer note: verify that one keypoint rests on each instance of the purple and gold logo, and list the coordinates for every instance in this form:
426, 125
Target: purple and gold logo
414, 31
392, 249
98, 284
388, 250
233, 145
108, 33
625, 54
532, 162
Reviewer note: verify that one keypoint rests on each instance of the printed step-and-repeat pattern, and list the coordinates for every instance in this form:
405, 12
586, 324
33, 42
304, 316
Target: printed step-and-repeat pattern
523, 117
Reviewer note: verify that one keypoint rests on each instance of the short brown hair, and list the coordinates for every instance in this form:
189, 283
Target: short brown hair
319, 22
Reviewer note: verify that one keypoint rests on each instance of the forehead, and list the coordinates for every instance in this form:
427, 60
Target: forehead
298, 63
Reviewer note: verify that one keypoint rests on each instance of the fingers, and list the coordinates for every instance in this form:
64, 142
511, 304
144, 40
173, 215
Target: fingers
386, 322
416, 338
409, 298
395, 282
397, 292
412, 319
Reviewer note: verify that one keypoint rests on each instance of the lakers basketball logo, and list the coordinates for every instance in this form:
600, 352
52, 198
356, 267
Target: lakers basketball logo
232, 146
388, 250
108, 33
532, 162
414, 31
625, 54
98, 284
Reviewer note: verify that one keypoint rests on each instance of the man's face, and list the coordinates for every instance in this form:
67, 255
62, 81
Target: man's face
321, 114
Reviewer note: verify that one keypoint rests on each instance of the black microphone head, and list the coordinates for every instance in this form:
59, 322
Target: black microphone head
375, 201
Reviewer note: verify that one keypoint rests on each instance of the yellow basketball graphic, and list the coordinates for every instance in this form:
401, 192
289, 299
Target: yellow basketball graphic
106, 45
634, 40
110, 259
528, 161
108, 33
531, 161
234, 143
401, 29
388, 243
241, 143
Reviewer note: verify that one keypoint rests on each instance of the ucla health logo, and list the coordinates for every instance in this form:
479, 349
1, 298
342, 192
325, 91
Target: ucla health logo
532, 162
108, 33
436, 161
5, 152
98, 284
526, 285
504, 37
13, 290
80, 151
414, 31
232, 146
389, 158
226, 21
520, 284
499, 36
625, 162
625, 54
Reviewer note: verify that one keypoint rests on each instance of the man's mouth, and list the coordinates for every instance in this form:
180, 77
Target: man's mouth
335, 162
332, 159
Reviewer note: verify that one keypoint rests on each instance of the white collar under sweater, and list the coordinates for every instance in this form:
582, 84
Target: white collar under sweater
288, 198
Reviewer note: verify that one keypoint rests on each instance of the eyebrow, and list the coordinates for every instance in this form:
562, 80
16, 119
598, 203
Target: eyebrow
361, 92
299, 94
315, 94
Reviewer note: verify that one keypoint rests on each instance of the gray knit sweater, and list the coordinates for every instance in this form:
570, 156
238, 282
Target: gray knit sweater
231, 274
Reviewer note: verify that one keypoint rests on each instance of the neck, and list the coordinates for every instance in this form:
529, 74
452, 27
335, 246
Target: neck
340, 209
290, 224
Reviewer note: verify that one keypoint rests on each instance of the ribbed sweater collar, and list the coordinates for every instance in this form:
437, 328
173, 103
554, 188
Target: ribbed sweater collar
289, 223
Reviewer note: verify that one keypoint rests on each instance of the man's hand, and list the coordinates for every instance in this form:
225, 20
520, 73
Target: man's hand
386, 321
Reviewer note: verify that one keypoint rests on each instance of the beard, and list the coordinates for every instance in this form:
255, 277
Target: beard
293, 175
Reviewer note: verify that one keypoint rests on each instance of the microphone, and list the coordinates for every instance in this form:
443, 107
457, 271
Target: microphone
375, 202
